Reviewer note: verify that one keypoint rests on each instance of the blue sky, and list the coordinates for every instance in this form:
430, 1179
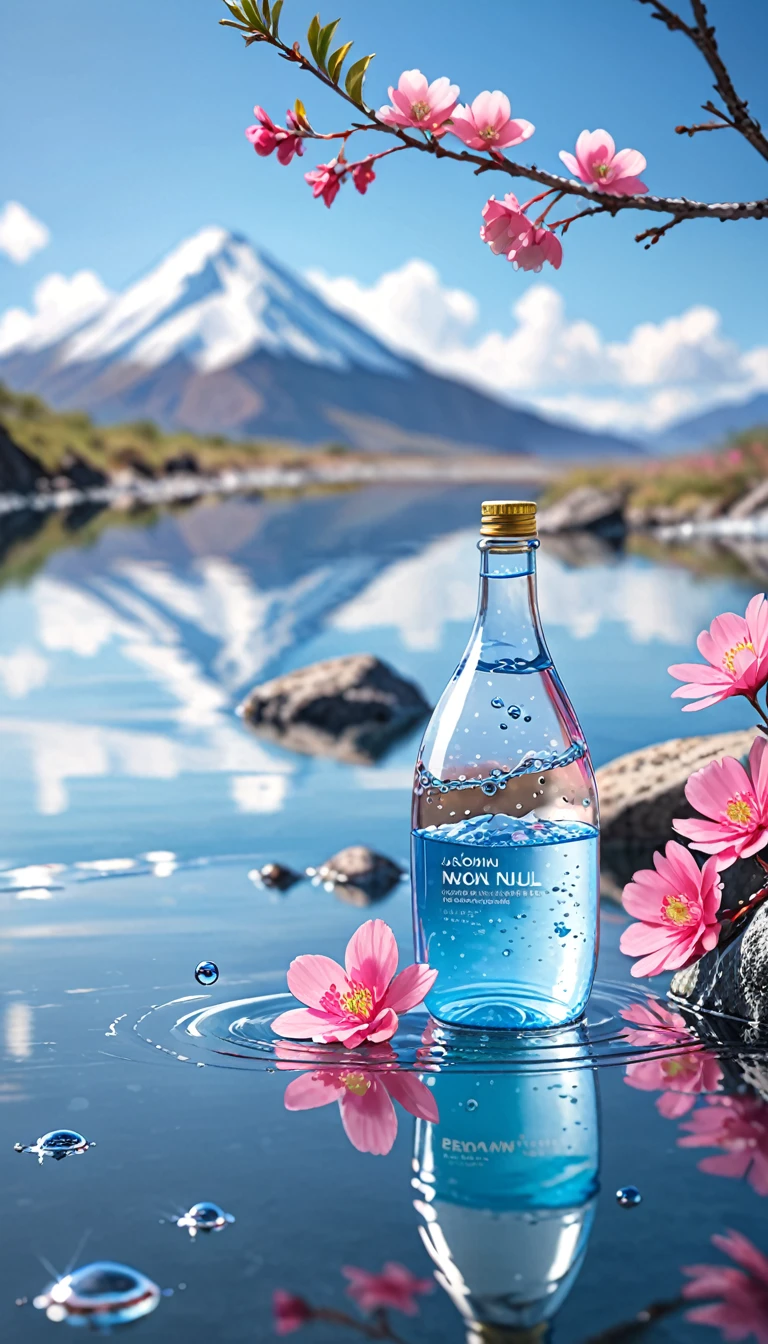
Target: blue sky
128, 136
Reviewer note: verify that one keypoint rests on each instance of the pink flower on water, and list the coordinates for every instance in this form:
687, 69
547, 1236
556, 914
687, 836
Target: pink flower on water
326, 179
506, 227
267, 137
738, 1125
681, 1077
394, 1287
289, 1311
598, 163
360, 1003
677, 904
365, 1098
417, 103
488, 123
742, 1310
363, 175
735, 800
736, 650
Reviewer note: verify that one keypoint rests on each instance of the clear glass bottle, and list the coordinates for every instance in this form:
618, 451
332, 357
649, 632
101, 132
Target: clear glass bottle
507, 1186
505, 870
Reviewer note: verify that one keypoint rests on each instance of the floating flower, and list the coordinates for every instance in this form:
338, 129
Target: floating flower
365, 1098
736, 650
597, 162
742, 1310
417, 103
680, 1077
326, 179
360, 1003
506, 227
677, 904
488, 123
394, 1287
289, 1311
540, 246
739, 1126
267, 137
363, 175
735, 800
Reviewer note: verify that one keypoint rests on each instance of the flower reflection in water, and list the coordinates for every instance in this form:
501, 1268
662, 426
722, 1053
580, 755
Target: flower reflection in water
741, 1308
394, 1287
739, 1126
681, 1077
364, 1095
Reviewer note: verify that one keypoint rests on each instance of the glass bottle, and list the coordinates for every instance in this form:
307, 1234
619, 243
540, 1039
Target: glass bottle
507, 1185
505, 871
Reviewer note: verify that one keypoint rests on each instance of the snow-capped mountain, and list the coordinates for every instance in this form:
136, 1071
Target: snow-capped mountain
219, 338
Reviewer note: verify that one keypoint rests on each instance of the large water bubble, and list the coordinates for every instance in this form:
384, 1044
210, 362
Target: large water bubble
57, 1144
206, 973
101, 1295
628, 1197
204, 1217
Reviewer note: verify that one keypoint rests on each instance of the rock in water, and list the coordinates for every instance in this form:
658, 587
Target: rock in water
358, 875
586, 509
19, 473
732, 979
352, 708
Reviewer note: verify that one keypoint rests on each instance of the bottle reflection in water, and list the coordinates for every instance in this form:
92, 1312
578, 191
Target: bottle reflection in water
504, 849
507, 1191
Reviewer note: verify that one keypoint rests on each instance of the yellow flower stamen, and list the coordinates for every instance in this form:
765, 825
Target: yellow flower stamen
420, 111
357, 1083
600, 170
739, 810
676, 910
359, 1001
488, 133
729, 658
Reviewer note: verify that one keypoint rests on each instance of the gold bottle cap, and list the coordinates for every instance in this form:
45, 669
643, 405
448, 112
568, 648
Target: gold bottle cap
508, 518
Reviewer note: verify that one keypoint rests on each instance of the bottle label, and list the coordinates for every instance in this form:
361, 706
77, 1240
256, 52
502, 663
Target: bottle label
462, 877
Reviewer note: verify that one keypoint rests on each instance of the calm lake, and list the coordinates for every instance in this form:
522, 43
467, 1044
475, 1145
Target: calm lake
135, 805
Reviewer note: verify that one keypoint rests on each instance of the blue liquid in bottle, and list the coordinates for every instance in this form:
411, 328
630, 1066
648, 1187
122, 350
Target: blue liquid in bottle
506, 1188
505, 870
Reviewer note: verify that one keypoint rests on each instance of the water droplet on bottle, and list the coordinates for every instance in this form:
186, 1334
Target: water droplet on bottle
497, 703
585, 802
103, 1294
628, 1197
505, 952
472, 1105
503, 727
527, 718
514, 711
204, 1217
489, 788
206, 973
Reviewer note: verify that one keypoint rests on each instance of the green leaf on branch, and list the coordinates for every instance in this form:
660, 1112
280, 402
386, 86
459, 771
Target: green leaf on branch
253, 16
276, 7
356, 76
236, 13
313, 33
239, 27
324, 42
300, 112
337, 60
266, 13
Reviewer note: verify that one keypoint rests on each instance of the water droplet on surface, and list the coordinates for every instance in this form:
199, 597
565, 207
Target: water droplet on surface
497, 703
503, 727
472, 1105
513, 711
204, 1217
505, 952
206, 973
628, 1197
527, 718
59, 1143
102, 1295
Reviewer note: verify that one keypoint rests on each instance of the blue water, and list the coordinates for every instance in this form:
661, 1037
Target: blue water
125, 644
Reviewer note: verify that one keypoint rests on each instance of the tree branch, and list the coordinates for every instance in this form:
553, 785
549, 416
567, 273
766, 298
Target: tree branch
657, 232
629, 1329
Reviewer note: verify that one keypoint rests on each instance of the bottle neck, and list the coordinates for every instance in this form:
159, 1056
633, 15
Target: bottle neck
508, 624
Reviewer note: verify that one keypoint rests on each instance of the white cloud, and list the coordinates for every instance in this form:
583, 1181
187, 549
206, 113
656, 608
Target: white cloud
22, 671
562, 367
21, 235
61, 304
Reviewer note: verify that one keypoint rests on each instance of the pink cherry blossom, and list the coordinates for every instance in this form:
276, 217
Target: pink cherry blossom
289, 1311
363, 175
360, 1003
679, 1076
597, 162
736, 650
540, 246
266, 137
739, 1126
416, 103
488, 123
326, 179
735, 800
394, 1287
364, 1096
506, 227
677, 904
742, 1308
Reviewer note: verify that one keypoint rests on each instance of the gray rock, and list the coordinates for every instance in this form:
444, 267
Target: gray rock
351, 708
19, 473
586, 509
755, 501
732, 979
358, 875
275, 876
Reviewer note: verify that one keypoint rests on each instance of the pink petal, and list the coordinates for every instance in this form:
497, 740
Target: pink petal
410, 987
514, 133
675, 1104
310, 977
301, 1024
758, 769
413, 86
369, 1121
700, 674
490, 108
703, 704
570, 163
312, 1090
733, 1165
383, 1027
641, 938
740, 1249
412, 1094
371, 957
629, 162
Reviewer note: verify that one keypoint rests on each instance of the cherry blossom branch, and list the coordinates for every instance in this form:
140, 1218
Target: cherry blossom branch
657, 232
380, 1330
655, 1311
